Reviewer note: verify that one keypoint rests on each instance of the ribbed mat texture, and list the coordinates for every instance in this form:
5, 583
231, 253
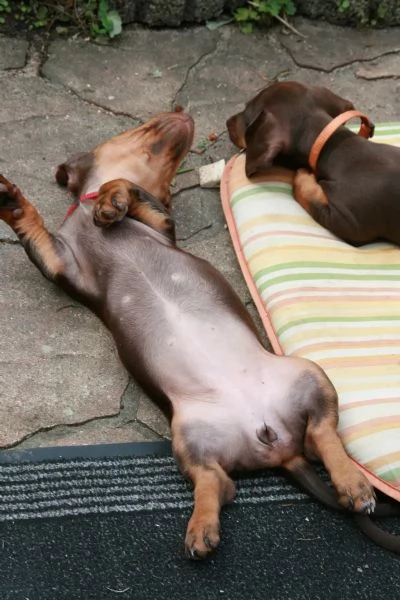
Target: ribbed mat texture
126, 484
113, 527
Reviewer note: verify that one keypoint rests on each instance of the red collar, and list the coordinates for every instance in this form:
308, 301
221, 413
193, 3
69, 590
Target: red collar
91, 196
71, 209
366, 131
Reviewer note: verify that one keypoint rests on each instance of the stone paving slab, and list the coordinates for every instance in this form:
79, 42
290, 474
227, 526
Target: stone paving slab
223, 80
379, 98
60, 378
197, 214
57, 363
330, 47
141, 74
386, 67
13, 53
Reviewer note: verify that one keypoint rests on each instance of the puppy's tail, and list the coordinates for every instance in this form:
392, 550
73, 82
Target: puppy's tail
306, 477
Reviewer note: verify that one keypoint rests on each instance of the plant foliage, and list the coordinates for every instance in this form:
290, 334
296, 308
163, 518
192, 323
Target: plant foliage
262, 12
95, 18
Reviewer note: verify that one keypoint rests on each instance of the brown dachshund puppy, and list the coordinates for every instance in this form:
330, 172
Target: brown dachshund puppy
355, 188
181, 330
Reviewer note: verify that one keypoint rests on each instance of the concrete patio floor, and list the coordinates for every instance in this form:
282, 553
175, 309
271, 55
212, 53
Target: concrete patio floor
61, 382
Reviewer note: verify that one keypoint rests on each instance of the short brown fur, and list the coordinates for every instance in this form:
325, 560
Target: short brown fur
356, 188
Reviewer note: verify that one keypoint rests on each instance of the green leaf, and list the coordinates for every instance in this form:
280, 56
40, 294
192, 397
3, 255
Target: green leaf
254, 15
382, 9
265, 9
41, 13
242, 14
290, 8
272, 7
103, 9
344, 5
116, 23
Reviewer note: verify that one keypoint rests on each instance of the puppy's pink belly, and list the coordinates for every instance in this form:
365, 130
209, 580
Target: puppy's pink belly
225, 388
205, 355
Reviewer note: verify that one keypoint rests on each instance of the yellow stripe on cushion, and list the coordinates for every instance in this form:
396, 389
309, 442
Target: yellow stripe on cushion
325, 300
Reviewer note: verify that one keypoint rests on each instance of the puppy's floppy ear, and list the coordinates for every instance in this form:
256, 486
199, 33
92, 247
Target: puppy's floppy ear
236, 126
73, 172
265, 139
331, 103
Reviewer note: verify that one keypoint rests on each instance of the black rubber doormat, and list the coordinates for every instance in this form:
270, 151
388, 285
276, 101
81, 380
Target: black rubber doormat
108, 522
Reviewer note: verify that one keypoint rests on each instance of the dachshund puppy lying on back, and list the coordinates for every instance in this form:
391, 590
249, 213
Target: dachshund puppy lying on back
181, 330
353, 187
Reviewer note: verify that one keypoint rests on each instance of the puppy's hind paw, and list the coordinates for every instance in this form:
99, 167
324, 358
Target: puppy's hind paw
358, 496
201, 539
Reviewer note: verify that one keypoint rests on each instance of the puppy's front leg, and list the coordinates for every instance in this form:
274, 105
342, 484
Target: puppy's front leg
307, 191
43, 248
120, 198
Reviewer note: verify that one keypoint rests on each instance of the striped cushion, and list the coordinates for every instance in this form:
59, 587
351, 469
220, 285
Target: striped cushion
324, 300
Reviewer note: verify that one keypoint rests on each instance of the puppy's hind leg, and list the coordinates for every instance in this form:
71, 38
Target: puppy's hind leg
322, 440
212, 489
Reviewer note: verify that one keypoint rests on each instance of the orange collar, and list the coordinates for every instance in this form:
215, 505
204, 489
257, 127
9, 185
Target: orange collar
366, 131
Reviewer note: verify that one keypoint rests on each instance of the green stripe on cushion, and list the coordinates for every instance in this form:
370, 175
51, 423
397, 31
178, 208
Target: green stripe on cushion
391, 128
283, 189
324, 264
317, 276
369, 319
391, 475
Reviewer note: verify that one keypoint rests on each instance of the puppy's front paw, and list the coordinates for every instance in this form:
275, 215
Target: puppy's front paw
356, 493
202, 537
112, 203
307, 191
11, 201
9, 194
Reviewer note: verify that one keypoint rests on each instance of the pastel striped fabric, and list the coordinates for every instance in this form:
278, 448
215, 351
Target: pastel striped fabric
325, 300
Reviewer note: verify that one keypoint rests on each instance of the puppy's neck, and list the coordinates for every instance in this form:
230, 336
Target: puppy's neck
335, 145
307, 132
303, 134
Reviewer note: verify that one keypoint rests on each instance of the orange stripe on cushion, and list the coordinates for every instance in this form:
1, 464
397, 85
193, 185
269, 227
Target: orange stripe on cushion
350, 434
